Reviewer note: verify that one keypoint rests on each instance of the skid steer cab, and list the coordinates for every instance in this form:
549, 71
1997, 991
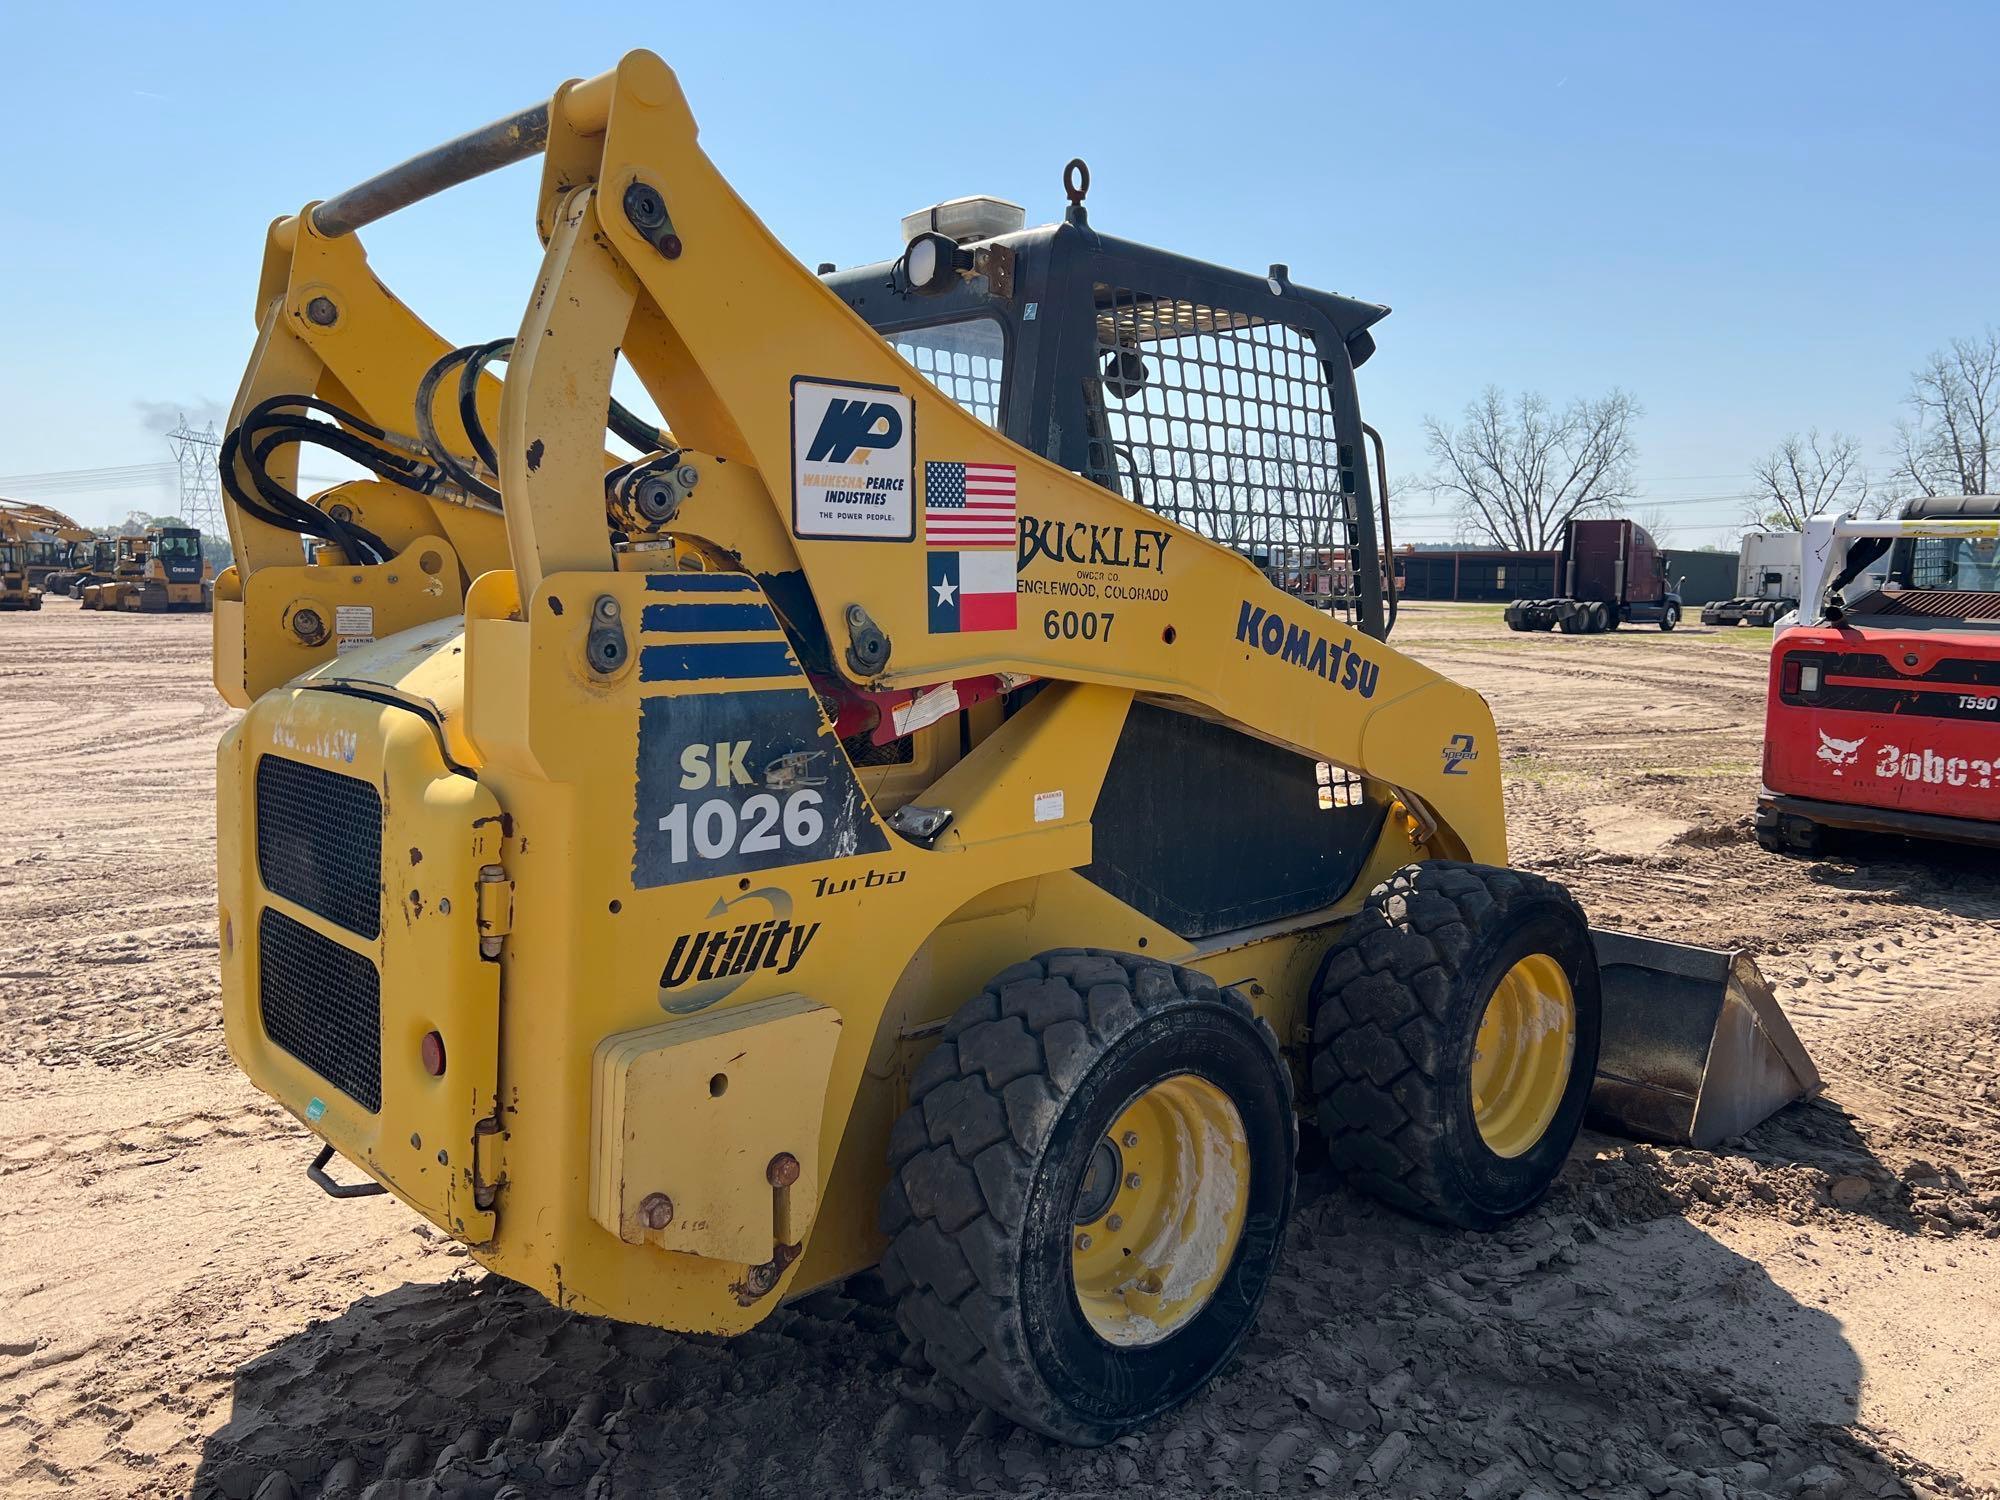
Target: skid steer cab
940, 799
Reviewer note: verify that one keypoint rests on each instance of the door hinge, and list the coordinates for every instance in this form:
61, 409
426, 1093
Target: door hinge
496, 909
486, 1177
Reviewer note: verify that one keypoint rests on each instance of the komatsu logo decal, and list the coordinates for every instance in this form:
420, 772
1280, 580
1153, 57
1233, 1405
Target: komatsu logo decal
1340, 665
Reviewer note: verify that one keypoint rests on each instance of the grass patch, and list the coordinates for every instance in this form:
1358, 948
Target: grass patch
1747, 637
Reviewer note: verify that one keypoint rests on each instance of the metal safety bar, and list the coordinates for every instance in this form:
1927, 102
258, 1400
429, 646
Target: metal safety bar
519, 136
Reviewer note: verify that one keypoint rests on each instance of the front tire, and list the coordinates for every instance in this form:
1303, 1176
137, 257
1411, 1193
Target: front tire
1669, 618
1089, 1191
1455, 1038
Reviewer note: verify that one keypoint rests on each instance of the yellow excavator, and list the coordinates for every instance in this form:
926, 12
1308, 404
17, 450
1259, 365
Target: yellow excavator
44, 537
884, 817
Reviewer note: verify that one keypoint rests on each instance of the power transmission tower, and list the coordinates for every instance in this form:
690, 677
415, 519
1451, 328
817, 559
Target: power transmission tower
201, 477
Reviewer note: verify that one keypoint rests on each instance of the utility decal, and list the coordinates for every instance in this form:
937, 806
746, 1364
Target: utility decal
705, 966
853, 461
1839, 753
733, 782
1460, 750
1096, 561
1340, 665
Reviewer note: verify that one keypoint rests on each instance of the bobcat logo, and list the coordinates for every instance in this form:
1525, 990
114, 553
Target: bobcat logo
1839, 753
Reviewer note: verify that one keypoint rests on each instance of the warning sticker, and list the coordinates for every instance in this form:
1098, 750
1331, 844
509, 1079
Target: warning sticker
353, 625
853, 461
1048, 807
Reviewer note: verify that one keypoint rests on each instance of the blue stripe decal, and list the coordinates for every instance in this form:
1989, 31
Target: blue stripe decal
723, 659
683, 619
700, 583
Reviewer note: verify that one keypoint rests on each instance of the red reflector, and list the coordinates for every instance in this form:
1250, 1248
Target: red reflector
433, 1054
1788, 675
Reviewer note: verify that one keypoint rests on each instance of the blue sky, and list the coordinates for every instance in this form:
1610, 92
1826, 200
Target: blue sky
1757, 218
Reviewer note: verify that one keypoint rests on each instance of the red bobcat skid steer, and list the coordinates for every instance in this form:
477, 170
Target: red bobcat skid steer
1884, 711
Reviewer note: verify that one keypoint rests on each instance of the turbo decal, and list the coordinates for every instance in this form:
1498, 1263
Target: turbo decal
1340, 665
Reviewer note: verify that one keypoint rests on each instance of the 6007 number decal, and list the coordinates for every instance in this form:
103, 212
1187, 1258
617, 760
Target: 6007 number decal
716, 827
1071, 625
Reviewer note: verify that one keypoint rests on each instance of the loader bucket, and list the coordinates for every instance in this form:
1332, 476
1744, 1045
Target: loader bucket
1695, 1048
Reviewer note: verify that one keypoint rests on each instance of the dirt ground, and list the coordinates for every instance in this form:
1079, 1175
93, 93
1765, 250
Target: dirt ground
1815, 1311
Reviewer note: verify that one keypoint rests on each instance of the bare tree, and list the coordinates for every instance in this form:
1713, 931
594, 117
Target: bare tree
1517, 470
1653, 520
1805, 477
1950, 444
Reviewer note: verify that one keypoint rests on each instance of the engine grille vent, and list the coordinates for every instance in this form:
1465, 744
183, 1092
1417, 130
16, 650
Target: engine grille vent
319, 842
323, 1004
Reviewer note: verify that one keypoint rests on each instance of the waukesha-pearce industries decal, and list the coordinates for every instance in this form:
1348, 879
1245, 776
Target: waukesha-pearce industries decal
853, 461
1340, 665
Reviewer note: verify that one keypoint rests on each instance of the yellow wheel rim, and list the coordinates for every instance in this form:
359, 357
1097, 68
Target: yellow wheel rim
1160, 1210
1522, 1057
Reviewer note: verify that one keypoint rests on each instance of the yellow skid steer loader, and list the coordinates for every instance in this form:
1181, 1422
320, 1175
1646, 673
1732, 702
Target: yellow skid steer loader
893, 815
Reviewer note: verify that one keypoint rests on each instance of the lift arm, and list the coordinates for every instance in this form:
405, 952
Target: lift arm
755, 365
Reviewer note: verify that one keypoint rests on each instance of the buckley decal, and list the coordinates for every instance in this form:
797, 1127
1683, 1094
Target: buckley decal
1340, 665
1093, 545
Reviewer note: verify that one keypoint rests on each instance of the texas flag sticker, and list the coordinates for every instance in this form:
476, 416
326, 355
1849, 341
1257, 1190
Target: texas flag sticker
971, 591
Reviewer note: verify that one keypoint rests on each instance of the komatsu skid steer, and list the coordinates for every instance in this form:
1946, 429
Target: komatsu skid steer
895, 816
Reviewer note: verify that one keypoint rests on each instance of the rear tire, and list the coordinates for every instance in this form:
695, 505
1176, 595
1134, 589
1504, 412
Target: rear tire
1788, 833
1447, 959
1575, 622
1005, 1178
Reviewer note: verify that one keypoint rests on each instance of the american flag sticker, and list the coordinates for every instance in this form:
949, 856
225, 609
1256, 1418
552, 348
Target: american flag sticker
969, 505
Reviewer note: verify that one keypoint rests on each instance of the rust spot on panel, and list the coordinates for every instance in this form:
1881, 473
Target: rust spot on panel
535, 451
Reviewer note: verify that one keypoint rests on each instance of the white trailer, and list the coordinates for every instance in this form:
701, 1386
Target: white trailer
1767, 581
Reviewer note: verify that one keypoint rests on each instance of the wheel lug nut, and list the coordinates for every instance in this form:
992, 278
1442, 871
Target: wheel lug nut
1115, 1223
1083, 1242
1132, 1179
1131, 1139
